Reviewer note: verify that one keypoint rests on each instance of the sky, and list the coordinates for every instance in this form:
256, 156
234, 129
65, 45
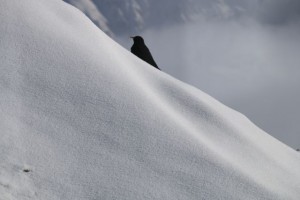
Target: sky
248, 62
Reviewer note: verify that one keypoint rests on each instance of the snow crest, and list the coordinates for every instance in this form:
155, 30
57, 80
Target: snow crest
83, 118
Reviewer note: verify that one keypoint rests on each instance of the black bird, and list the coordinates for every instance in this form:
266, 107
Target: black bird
141, 50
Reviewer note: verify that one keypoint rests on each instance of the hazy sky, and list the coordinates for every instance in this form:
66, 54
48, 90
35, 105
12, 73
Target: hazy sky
250, 63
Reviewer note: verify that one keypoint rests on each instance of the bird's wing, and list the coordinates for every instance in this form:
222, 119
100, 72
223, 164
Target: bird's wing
143, 53
149, 57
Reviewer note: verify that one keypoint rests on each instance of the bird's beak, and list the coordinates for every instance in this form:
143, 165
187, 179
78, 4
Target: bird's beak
131, 37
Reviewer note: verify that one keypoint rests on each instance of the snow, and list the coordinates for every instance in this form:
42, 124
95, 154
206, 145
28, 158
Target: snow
89, 120
91, 11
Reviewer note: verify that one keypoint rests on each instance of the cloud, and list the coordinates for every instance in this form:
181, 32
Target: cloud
275, 12
272, 12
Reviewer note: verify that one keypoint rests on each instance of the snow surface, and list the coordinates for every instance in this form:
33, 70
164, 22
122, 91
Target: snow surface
91, 11
89, 120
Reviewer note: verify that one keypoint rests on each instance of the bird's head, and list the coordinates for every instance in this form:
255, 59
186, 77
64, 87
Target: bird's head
138, 39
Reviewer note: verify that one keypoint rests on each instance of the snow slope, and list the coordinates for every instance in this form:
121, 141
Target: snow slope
86, 119
92, 12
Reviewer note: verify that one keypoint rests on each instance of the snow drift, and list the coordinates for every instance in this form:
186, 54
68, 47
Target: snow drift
82, 118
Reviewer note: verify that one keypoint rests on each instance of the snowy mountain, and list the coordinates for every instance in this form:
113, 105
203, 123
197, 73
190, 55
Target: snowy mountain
83, 118
91, 11
133, 16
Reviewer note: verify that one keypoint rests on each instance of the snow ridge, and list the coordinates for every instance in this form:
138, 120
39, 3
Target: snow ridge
91, 11
83, 118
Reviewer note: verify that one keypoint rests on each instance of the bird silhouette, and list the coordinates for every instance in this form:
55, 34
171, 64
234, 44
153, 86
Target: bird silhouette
141, 50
